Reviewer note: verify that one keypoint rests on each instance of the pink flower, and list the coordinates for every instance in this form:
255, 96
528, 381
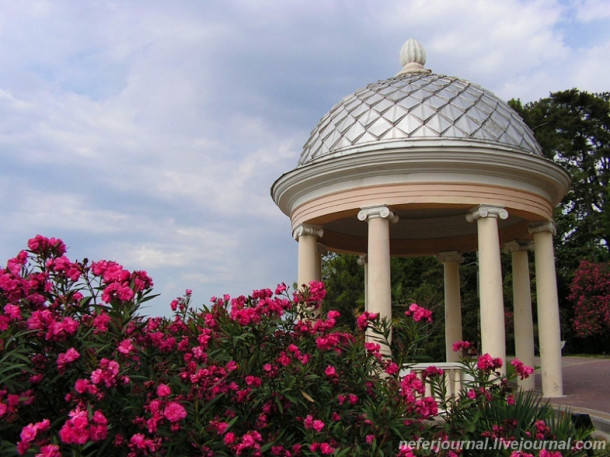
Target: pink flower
432, 371
459, 345
426, 407
28, 433
49, 450
253, 381
330, 371
139, 441
373, 348
326, 449
125, 347
522, 370
75, 430
229, 438
405, 451
58, 330
392, 369
163, 390
419, 313
13, 312
174, 412
488, 363
117, 290
311, 423
364, 319
67, 357
41, 244
100, 322
107, 373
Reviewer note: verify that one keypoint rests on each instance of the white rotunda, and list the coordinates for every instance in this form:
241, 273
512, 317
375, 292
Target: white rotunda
427, 164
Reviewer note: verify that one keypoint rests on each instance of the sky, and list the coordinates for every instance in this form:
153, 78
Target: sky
149, 132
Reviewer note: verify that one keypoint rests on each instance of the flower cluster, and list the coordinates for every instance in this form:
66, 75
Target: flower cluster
590, 295
84, 374
419, 313
524, 371
488, 363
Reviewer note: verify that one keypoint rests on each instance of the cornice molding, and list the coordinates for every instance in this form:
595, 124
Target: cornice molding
421, 161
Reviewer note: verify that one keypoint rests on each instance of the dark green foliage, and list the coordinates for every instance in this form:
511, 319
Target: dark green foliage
573, 129
343, 278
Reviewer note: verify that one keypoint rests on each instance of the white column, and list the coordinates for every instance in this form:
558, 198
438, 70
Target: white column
549, 333
363, 261
309, 259
453, 307
522, 308
379, 286
493, 339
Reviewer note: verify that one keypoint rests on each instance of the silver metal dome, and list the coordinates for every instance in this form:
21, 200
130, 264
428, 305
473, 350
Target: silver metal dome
417, 105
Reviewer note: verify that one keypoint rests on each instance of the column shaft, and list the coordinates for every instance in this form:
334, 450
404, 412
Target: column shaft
493, 338
308, 259
379, 285
549, 333
522, 307
453, 306
379, 282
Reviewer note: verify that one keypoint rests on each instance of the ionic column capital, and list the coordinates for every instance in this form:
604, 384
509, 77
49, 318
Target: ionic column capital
483, 211
307, 229
372, 212
452, 256
548, 226
518, 245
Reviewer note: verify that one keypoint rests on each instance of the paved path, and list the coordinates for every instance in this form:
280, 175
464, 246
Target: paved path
586, 386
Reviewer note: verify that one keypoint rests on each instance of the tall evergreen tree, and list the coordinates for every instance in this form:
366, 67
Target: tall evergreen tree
573, 129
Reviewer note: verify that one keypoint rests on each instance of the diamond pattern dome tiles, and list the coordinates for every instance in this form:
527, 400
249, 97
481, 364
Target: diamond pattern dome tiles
417, 106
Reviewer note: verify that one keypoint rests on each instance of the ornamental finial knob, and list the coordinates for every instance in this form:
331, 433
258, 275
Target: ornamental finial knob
412, 57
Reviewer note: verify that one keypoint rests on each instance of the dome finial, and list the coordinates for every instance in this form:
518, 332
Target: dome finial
412, 58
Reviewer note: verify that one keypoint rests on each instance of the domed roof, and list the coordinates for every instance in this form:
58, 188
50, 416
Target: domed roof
417, 105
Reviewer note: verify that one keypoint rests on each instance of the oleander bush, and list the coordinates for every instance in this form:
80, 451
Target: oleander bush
83, 373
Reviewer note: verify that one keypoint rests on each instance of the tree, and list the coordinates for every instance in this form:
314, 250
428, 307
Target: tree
344, 281
573, 129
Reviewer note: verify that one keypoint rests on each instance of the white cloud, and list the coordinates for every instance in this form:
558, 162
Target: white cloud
150, 132
592, 10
